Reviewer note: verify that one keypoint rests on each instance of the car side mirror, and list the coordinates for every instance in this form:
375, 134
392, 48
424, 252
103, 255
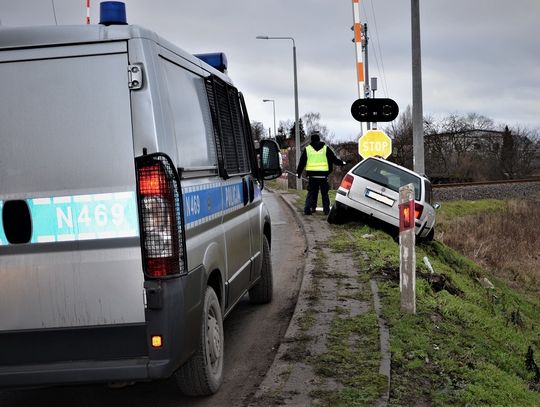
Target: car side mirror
436, 205
270, 157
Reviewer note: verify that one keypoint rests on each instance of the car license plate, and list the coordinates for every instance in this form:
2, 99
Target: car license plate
380, 198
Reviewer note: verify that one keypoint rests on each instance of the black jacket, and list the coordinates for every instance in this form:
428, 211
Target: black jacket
330, 156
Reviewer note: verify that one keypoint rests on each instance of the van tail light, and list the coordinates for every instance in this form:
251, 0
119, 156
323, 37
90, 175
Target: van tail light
346, 182
161, 217
418, 210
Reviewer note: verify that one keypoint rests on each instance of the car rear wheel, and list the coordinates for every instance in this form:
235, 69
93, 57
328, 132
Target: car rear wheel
337, 214
203, 373
261, 293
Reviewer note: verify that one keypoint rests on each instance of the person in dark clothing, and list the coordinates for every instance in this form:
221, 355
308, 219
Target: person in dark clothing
318, 160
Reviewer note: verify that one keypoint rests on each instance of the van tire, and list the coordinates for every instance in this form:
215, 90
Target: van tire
262, 291
202, 374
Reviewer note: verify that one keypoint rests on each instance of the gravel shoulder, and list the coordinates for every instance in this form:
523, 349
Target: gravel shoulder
331, 292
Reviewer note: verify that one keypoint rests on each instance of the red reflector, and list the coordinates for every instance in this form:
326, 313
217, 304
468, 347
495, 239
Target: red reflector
152, 180
406, 219
346, 182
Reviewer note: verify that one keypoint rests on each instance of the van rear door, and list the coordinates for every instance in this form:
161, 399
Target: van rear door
67, 179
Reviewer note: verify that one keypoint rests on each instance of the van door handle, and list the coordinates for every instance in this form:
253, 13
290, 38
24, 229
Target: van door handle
245, 191
251, 189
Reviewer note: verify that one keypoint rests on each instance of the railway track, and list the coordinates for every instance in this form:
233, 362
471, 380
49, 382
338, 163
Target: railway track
468, 184
516, 189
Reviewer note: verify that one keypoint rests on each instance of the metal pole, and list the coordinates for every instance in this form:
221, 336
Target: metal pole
367, 92
417, 109
274, 109
296, 118
357, 28
373, 89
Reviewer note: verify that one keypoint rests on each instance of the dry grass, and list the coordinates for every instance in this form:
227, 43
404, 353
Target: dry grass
504, 241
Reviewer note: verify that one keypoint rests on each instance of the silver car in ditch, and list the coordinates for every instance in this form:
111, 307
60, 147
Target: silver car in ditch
372, 188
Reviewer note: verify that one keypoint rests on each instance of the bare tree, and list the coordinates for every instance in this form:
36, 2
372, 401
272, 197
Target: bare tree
257, 130
312, 123
520, 152
468, 147
401, 133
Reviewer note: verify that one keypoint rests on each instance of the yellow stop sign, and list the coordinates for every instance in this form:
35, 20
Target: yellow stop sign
375, 142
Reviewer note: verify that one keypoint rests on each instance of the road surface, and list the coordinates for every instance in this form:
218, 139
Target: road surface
252, 335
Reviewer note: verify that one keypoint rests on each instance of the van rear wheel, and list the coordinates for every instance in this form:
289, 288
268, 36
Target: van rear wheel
261, 293
203, 374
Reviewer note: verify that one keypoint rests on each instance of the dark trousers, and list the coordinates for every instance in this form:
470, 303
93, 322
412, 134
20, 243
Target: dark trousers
314, 184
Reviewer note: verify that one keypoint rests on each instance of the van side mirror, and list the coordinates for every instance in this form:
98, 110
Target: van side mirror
270, 157
436, 205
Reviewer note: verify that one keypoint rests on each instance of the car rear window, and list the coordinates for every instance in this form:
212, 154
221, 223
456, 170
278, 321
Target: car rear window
388, 176
429, 192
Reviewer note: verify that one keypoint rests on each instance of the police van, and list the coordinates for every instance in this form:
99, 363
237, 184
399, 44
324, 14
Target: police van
132, 218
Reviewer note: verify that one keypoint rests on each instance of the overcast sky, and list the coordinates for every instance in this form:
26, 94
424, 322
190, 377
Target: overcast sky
479, 56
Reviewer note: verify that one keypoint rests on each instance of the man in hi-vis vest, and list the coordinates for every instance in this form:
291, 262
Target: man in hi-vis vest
317, 158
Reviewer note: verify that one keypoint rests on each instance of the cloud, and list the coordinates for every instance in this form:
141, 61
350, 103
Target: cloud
480, 55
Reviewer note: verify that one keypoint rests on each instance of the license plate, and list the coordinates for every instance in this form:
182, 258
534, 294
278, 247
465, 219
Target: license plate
380, 198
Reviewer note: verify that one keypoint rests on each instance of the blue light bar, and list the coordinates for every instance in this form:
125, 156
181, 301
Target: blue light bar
216, 60
112, 12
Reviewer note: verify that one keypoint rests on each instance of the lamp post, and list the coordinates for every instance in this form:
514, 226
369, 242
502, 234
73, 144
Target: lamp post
296, 118
274, 109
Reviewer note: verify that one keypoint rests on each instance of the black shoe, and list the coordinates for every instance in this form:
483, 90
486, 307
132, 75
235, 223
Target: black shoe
313, 210
307, 212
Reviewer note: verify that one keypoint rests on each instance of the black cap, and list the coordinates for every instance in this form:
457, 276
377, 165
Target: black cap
315, 136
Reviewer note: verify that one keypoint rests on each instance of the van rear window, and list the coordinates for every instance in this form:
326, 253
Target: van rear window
65, 125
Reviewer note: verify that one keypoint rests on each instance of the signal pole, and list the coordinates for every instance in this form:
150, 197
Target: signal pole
358, 48
367, 90
417, 109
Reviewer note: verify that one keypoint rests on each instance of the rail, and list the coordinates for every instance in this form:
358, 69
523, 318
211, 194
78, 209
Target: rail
478, 183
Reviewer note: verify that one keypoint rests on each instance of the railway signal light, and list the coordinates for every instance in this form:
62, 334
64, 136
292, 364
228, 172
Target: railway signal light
374, 110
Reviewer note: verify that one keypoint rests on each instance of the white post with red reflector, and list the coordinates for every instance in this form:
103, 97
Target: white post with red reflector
407, 253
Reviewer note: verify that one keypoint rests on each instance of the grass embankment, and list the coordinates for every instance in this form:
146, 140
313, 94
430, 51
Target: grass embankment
501, 236
468, 344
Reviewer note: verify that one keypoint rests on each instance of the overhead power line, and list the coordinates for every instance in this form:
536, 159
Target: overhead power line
383, 76
377, 51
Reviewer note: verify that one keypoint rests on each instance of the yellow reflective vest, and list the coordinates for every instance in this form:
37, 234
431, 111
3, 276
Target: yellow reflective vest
316, 160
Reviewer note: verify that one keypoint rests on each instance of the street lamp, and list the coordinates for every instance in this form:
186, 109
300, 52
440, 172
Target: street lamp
296, 118
274, 109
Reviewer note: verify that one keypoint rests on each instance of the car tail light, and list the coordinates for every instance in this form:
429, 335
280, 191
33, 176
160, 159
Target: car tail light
418, 210
346, 182
160, 210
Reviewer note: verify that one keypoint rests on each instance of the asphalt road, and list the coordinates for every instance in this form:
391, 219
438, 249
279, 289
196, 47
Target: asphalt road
252, 335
